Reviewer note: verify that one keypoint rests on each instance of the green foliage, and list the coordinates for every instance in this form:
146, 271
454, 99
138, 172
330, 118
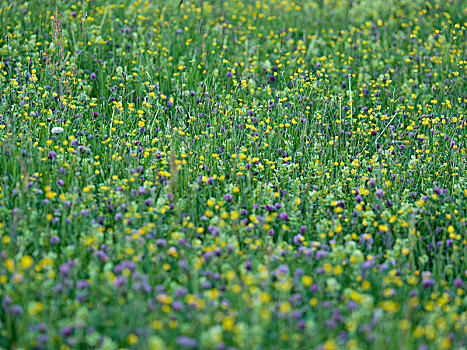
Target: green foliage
235, 174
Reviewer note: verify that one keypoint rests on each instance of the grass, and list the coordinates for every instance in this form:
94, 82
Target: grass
233, 175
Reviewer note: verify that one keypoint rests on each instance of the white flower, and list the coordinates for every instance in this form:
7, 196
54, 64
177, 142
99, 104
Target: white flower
57, 130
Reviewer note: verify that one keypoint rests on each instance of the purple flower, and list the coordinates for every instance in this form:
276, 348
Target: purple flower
93, 75
52, 155
320, 254
352, 305
427, 281
380, 193
119, 281
283, 216
82, 284
66, 331
186, 342
314, 288
214, 230
458, 283
367, 264
372, 183
6, 302
281, 270
206, 285
42, 339
65, 270
161, 242
16, 310
298, 239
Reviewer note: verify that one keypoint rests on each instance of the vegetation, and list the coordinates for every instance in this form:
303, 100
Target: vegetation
233, 174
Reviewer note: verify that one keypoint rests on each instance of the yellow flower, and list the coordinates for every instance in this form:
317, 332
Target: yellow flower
157, 324
330, 345
228, 323
35, 308
10, 265
445, 343
307, 280
285, 307
264, 297
51, 195
366, 285
132, 339
26, 262
213, 294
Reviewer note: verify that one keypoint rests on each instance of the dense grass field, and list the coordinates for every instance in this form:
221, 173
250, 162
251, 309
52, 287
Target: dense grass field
233, 174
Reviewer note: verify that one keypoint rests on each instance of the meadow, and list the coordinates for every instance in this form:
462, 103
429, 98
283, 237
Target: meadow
233, 174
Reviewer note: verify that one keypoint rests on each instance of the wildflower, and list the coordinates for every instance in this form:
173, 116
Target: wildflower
57, 130
458, 283
186, 342
66, 331
16, 310
52, 155
26, 262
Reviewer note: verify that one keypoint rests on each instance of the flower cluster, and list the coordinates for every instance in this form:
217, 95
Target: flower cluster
233, 175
